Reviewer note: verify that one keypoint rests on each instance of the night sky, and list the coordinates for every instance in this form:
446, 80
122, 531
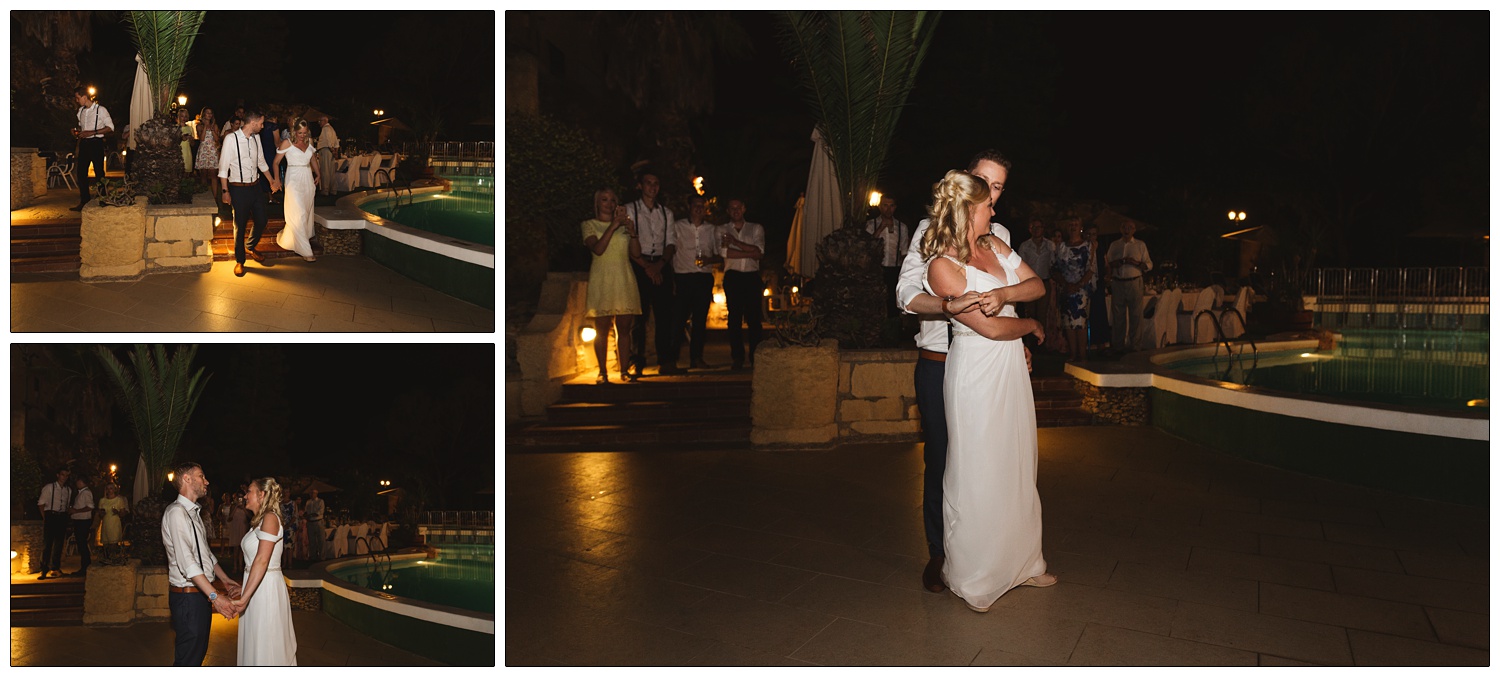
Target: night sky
1376, 123
413, 65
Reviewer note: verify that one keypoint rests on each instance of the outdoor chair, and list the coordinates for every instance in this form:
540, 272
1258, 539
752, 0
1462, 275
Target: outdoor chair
1159, 325
348, 179
62, 169
367, 174
356, 533
1194, 329
1234, 324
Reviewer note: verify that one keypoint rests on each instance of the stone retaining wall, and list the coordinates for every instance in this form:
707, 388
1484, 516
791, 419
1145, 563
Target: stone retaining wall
26, 540
151, 593
877, 399
306, 599
179, 238
127, 243
28, 177
338, 242
794, 395
549, 350
110, 594
1125, 406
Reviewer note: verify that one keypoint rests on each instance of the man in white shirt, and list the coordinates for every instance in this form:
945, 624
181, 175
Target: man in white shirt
653, 271
1037, 251
82, 514
312, 511
1128, 261
53, 504
229, 122
93, 123
743, 244
932, 353
697, 252
241, 162
894, 238
192, 568
328, 144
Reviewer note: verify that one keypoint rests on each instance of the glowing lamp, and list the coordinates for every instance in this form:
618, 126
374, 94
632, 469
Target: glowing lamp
171, 477
698, 185
794, 290
92, 91
112, 467
182, 99
14, 554
718, 297
765, 292
875, 198
588, 334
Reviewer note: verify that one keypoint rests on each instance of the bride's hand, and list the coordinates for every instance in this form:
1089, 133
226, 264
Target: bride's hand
992, 301
960, 304
1041, 336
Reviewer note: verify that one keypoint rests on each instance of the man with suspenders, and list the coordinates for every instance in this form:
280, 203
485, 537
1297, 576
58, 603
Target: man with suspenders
653, 273
192, 568
241, 162
93, 123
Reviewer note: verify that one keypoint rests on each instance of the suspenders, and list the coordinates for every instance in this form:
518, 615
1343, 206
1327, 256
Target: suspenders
637, 218
198, 552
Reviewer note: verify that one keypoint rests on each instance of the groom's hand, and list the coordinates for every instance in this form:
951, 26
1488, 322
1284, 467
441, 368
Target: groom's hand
224, 607
232, 588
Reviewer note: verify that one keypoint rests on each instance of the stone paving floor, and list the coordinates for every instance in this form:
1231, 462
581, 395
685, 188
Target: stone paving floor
1168, 554
332, 294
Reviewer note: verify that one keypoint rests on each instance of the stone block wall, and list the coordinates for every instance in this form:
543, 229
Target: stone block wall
113, 242
151, 593
25, 186
306, 599
179, 238
109, 596
793, 397
1125, 406
26, 540
877, 399
549, 350
338, 242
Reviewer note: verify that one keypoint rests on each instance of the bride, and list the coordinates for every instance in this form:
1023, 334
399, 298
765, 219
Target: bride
301, 177
264, 607
992, 515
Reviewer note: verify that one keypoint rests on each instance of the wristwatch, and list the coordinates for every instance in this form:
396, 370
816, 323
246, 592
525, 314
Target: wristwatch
213, 596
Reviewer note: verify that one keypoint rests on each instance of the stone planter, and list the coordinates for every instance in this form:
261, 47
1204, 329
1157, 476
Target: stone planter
109, 594
794, 395
179, 238
28, 177
151, 592
113, 242
549, 350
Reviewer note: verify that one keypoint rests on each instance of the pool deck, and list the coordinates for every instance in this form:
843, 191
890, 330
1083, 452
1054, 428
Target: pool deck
1169, 553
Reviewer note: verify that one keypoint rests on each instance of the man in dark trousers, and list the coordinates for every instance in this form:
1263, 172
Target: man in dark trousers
93, 123
653, 272
192, 569
932, 354
53, 504
241, 162
81, 520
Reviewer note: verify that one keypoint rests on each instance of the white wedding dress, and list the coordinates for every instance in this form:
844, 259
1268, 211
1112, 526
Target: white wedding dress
297, 234
266, 633
992, 515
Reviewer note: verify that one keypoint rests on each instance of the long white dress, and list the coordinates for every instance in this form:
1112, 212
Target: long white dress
266, 633
992, 515
297, 234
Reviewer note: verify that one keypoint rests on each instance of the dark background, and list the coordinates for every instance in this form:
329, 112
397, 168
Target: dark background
1356, 129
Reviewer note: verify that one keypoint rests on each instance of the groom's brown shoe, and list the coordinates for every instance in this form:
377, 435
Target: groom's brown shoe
932, 576
257, 256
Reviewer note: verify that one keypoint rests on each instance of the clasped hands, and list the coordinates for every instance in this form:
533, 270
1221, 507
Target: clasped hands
989, 302
230, 605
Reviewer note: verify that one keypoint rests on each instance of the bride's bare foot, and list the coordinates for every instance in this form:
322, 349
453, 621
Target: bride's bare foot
1042, 581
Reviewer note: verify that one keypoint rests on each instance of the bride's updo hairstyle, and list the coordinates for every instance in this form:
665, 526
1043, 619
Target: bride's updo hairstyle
948, 217
299, 123
270, 503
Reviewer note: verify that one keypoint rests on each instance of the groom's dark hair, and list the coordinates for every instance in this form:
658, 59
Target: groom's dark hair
181, 469
989, 154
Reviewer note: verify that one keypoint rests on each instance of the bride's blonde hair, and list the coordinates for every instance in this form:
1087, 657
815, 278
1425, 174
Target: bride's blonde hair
270, 503
299, 123
948, 224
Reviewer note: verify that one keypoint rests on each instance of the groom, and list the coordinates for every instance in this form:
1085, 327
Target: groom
192, 568
932, 352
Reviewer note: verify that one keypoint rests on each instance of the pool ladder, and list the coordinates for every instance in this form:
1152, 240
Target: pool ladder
1229, 347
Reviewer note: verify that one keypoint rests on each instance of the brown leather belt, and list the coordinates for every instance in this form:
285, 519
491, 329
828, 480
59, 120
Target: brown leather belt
242, 185
174, 588
932, 355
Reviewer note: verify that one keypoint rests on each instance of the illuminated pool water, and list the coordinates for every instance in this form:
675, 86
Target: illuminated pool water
465, 213
461, 576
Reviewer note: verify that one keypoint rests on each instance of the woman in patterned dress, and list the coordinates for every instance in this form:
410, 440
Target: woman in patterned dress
208, 148
1074, 268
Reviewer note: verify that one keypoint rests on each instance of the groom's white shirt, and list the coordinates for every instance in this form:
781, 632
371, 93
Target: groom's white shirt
933, 334
180, 522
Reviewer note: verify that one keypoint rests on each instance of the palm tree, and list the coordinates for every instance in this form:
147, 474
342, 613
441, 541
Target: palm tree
160, 392
165, 39
857, 69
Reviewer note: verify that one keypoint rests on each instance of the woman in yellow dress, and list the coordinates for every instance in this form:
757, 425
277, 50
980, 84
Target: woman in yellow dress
612, 297
110, 531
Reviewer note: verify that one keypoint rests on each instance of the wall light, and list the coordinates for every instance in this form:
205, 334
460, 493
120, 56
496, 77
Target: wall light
182, 99
765, 292
92, 91
875, 198
171, 477
588, 334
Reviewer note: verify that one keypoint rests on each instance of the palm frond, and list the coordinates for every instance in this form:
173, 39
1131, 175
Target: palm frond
165, 40
160, 395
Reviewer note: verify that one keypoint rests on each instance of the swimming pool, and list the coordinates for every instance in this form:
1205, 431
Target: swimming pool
1416, 368
467, 212
1436, 452
461, 576
433, 606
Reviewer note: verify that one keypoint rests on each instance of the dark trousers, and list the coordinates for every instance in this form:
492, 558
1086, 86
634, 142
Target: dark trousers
248, 203
929, 384
90, 151
695, 292
892, 276
191, 617
656, 301
54, 535
83, 533
742, 296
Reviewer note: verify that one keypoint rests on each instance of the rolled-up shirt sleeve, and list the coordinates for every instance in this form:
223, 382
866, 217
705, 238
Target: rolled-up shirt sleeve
909, 283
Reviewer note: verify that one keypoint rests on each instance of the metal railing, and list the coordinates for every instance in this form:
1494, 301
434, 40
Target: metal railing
452, 150
458, 518
1399, 298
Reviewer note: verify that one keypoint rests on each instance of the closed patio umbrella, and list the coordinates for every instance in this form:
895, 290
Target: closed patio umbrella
141, 488
794, 239
142, 100
823, 208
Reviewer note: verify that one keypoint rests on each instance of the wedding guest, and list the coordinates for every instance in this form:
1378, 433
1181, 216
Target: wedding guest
114, 506
312, 513
208, 148
94, 123
1098, 329
653, 270
894, 237
613, 296
1037, 251
328, 148
693, 267
54, 503
1074, 272
743, 243
82, 516
185, 131
269, 140
1128, 261
239, 523
239, 113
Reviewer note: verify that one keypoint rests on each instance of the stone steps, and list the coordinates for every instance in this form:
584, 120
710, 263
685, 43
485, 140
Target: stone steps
223, 244
52, 602
45, 246
694, 411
